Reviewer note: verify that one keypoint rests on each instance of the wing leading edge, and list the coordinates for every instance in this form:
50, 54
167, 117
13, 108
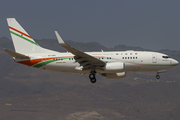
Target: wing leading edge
85, 60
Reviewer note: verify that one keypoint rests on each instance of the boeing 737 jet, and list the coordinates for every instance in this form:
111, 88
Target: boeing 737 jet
112, 65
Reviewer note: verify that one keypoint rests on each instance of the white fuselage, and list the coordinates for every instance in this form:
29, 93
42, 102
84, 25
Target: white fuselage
133, 61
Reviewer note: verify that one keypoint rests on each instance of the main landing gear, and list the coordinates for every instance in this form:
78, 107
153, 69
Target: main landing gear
92, 76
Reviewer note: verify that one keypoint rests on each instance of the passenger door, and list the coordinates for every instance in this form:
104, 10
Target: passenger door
154, 58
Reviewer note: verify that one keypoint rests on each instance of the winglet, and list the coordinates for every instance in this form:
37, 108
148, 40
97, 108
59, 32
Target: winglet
60, 40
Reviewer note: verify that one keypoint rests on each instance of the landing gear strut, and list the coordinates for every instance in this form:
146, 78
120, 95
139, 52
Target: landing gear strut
160, 71
92, 76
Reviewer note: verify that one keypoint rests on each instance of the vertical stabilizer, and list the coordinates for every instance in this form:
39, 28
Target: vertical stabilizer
23, 42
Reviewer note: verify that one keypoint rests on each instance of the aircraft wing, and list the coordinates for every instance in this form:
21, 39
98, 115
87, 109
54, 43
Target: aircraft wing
85, 60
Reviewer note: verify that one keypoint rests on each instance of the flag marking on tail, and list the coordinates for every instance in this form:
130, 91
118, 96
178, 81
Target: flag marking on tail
21, 35
19, 32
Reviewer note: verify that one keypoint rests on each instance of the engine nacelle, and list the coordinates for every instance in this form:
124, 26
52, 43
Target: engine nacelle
114, 67
115, 75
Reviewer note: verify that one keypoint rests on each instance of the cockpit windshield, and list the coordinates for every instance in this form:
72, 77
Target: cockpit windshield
165, 57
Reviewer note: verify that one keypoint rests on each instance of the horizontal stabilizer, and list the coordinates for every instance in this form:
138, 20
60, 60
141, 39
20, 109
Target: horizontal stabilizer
16, 55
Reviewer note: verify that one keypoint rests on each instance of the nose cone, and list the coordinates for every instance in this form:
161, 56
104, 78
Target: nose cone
174, 62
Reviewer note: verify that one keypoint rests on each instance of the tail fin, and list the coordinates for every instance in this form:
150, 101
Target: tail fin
23, 42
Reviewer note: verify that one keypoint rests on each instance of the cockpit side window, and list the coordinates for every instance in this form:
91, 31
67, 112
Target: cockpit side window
165, 57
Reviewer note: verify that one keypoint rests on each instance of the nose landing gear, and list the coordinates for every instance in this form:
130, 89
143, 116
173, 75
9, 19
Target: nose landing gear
160, 71
157, 76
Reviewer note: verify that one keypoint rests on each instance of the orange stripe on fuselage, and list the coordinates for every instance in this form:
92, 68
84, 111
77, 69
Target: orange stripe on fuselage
31, 62
20, 32
35, 61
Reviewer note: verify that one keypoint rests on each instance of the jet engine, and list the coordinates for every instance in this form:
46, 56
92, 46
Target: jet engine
114, 67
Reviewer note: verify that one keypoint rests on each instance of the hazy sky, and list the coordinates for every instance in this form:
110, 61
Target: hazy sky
152, 24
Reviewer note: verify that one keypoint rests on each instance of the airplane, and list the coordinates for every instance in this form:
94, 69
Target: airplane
111, 64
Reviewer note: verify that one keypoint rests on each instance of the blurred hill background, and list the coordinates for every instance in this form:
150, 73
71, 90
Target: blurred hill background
29, 93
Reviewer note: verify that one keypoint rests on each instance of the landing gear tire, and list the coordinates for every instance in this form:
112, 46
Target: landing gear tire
157, 76
92, 78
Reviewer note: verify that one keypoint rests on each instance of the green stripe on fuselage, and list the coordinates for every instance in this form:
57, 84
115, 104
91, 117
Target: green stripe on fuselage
38, 65
43, 63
